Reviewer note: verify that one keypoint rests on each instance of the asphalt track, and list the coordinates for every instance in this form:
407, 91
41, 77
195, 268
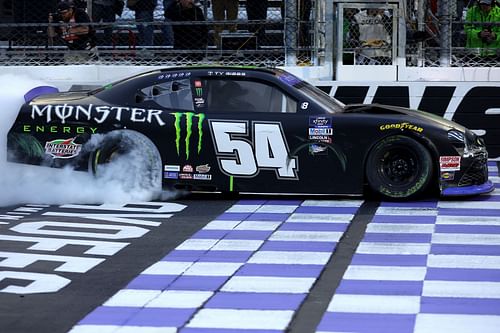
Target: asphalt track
253, 264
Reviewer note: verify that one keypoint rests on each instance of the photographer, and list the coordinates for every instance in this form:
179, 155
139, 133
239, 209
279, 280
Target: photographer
482, 27
73, 31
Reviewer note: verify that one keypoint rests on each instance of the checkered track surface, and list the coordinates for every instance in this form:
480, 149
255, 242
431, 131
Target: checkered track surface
427, 266
247, 271
424, 267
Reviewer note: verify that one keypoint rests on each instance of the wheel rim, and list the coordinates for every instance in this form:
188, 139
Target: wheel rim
399, 166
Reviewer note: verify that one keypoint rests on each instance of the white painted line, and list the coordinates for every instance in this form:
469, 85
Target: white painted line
121, 329
468, 220
277, 209
197, 244
393, 248
432, 323
132, 297
463, 261
258, 225
212, 269
237, 245
466, 239
385, 273
168, 268
290, 258
189, 299
411, 211
267, 284
241, 319
457, 289
243, 209
221, 225
332, 203
470, 205
400, 228
320, 218
375, 304
307, 236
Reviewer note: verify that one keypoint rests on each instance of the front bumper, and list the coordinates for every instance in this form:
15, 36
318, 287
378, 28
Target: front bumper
486, 187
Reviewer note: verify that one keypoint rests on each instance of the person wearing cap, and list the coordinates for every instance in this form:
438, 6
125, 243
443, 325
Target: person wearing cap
69, 24
482, 27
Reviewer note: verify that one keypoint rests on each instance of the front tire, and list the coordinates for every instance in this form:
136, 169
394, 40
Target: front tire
399, 167
130, 158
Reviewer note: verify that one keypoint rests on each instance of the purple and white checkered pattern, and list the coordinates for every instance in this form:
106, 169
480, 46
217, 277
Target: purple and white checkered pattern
247, 271
424, 267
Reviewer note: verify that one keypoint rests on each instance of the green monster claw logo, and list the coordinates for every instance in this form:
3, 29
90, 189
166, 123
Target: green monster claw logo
189, 123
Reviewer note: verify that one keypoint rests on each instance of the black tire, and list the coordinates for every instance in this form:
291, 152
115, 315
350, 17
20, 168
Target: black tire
136, 158
399, 167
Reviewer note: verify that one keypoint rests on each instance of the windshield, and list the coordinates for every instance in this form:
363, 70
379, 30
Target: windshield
329, 103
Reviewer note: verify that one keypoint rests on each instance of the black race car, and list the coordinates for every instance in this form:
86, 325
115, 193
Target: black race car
246, 129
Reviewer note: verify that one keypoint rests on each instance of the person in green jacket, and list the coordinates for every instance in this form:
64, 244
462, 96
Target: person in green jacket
482, 32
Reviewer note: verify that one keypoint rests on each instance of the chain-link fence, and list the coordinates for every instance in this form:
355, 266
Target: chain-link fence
243, 32
258, 32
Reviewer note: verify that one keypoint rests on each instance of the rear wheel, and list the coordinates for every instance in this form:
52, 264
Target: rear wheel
399, 167
129, 157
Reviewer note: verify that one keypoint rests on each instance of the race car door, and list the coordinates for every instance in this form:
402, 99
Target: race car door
260, 137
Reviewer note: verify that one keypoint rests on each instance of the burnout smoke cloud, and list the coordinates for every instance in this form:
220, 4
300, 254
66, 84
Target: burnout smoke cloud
40, 185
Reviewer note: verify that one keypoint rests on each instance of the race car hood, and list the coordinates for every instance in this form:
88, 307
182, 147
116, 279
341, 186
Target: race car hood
388, 109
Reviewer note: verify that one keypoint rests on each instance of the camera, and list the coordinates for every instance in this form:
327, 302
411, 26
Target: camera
56, 17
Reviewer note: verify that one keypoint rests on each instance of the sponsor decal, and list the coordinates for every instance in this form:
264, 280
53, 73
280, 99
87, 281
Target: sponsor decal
170, 167
96, 113
288, 78
199, 176
321, 131
401, 126
198, 88
226, 73
63, 148
171, 175
186, 176
174, 75
199, 102
449, 163
320, 122
187, 168
58, 129
188, 130
315, 149
321, 138
203, 168
447, 175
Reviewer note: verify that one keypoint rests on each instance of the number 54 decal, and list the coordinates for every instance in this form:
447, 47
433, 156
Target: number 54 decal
239, 155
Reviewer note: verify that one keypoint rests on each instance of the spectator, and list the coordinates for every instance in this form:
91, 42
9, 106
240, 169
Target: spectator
375, 33
189, 36
257, 11
103, 11
73, 30
144, 10
224, 10
481, 30
168, 32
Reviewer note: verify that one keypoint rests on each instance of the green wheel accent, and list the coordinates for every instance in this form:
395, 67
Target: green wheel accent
231, 183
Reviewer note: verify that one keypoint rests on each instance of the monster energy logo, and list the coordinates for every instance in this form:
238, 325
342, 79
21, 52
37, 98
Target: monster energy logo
199, 91
189, 131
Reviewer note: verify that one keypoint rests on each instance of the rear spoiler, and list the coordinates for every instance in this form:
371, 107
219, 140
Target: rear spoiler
38, 91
